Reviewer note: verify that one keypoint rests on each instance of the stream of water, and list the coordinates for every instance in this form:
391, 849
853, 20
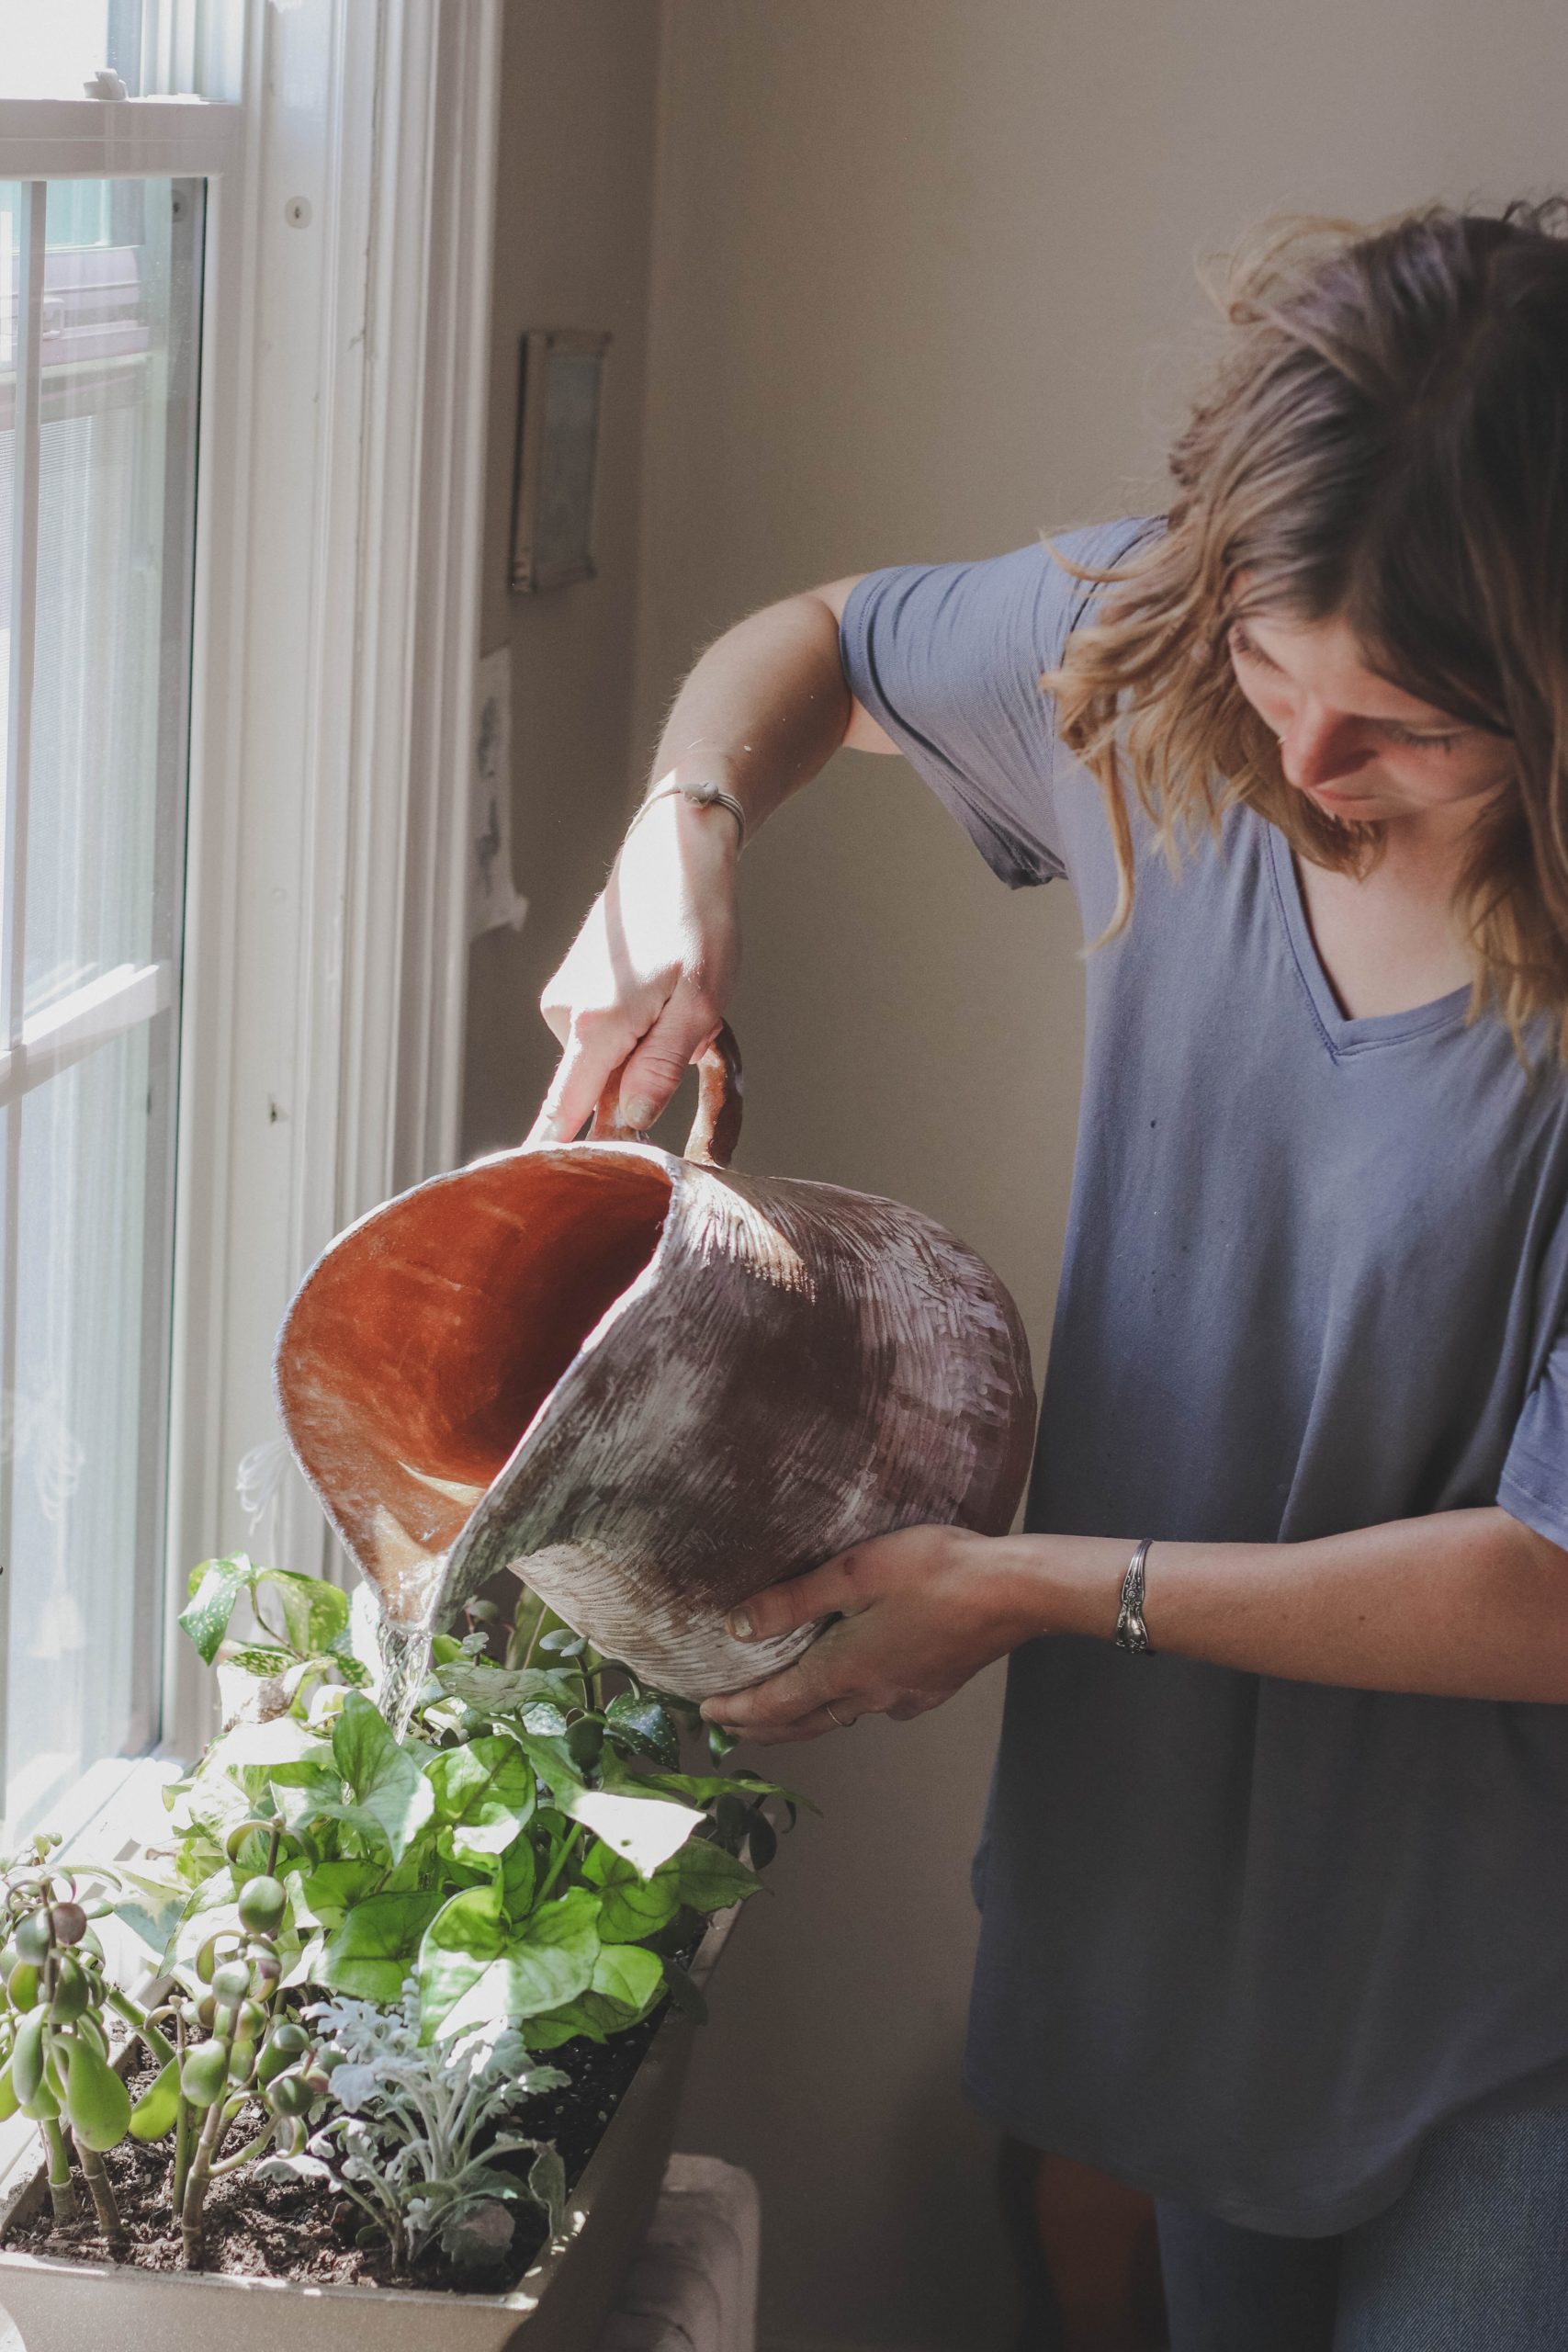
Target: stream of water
403, 1654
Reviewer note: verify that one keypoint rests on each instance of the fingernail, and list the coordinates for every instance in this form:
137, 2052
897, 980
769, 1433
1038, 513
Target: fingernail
638, 1115
739, 1623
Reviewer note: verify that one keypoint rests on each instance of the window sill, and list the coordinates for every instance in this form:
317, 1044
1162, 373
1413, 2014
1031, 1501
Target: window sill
70, 138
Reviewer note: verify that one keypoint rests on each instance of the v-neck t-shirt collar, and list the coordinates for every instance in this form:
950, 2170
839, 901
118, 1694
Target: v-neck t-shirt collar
1345, 1033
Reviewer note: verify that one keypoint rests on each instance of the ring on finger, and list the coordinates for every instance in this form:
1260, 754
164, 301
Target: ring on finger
829, 1708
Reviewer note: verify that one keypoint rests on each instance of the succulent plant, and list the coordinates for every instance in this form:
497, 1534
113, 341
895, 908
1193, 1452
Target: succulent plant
53, 2025
250, 2051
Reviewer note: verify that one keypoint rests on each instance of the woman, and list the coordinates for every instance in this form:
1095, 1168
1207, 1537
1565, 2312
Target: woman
1275, 1879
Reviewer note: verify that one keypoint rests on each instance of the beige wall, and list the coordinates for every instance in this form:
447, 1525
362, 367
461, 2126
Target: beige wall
922, 282
573, 219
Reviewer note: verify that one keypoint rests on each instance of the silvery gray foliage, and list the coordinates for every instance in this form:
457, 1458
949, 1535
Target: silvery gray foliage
402, 2142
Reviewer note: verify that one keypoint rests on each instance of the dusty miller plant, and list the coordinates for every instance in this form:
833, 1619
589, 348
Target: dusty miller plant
404, 2144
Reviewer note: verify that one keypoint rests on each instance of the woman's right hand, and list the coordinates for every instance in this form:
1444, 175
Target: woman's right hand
645, 984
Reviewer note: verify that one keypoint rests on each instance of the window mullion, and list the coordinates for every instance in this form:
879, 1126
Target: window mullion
25, 473
24, 606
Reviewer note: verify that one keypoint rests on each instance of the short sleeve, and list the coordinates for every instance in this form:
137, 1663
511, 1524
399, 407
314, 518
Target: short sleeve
1534, 1485
947, 658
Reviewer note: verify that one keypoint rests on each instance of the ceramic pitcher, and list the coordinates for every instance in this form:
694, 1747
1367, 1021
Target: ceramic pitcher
649, 1383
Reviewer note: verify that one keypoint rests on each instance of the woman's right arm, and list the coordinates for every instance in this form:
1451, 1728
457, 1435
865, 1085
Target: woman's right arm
645, 983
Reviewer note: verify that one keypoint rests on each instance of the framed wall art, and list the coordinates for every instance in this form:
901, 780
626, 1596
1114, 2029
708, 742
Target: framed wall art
557, 449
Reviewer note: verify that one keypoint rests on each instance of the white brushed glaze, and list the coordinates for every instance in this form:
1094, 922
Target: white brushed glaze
665, 1478
792, 1369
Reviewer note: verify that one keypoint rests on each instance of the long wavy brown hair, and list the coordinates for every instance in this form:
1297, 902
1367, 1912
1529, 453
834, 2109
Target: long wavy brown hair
1386, 441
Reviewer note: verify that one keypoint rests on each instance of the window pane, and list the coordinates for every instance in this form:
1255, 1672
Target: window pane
118, 350
91, 1180
98, 332
49, 48
11, 269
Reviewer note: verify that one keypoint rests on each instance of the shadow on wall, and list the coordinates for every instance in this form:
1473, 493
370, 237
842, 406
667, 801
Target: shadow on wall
574, 208
829, 2066
945, 2168
940, 2169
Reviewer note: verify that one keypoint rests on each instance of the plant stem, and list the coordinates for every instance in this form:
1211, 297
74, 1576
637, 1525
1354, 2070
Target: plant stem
193, 2205
534, 1636
182, 2123
62, 2193
101, 2193
182, 2154
138, 2019
246, 2155
559, 1864
384, 2222
278, 1641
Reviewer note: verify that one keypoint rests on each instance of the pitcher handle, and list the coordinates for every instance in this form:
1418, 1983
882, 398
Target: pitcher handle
716, 1130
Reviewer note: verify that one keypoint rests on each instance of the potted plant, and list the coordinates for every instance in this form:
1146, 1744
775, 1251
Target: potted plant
416, 2003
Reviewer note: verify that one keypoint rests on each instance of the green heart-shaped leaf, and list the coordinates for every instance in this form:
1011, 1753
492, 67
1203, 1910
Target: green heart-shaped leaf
549, 1961
389, 1787
376, 1945
485, 1794
465, 1935
642, 1723
215, 1588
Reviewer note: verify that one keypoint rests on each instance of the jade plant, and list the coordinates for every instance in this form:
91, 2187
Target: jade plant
254, 2065
54, 2030
58, 2001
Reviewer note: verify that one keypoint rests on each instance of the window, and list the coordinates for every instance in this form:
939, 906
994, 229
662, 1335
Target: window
99, 323
243, 345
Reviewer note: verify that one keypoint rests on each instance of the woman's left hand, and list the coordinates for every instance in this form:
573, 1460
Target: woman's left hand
919, 1612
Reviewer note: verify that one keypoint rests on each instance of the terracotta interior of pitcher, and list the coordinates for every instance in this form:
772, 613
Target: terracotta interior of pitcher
413, 1364
421, 1347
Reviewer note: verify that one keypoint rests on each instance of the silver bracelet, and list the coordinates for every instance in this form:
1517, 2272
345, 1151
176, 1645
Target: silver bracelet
1131, 1634
701, 795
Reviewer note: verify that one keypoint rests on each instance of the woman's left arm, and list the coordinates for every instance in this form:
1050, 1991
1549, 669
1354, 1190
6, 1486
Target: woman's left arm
1468, 1604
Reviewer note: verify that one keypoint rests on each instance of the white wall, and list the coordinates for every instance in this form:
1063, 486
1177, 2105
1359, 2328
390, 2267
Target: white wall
574, 232
922, 283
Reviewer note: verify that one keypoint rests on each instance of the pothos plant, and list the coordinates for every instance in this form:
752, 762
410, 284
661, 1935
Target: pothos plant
529, 1850
524, 1863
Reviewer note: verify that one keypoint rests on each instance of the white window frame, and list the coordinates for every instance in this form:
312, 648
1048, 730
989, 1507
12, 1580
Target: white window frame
339, 530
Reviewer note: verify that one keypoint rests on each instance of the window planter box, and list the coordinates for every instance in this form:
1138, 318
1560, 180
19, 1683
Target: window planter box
560, 2305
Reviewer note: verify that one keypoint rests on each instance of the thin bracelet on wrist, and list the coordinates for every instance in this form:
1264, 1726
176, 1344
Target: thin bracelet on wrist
1131, 1634
701, 795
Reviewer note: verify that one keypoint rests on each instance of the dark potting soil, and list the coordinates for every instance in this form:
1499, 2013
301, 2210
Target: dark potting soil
301, 2230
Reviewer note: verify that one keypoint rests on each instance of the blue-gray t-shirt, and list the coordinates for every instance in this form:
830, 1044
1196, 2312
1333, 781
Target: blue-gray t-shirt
1244, 1940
